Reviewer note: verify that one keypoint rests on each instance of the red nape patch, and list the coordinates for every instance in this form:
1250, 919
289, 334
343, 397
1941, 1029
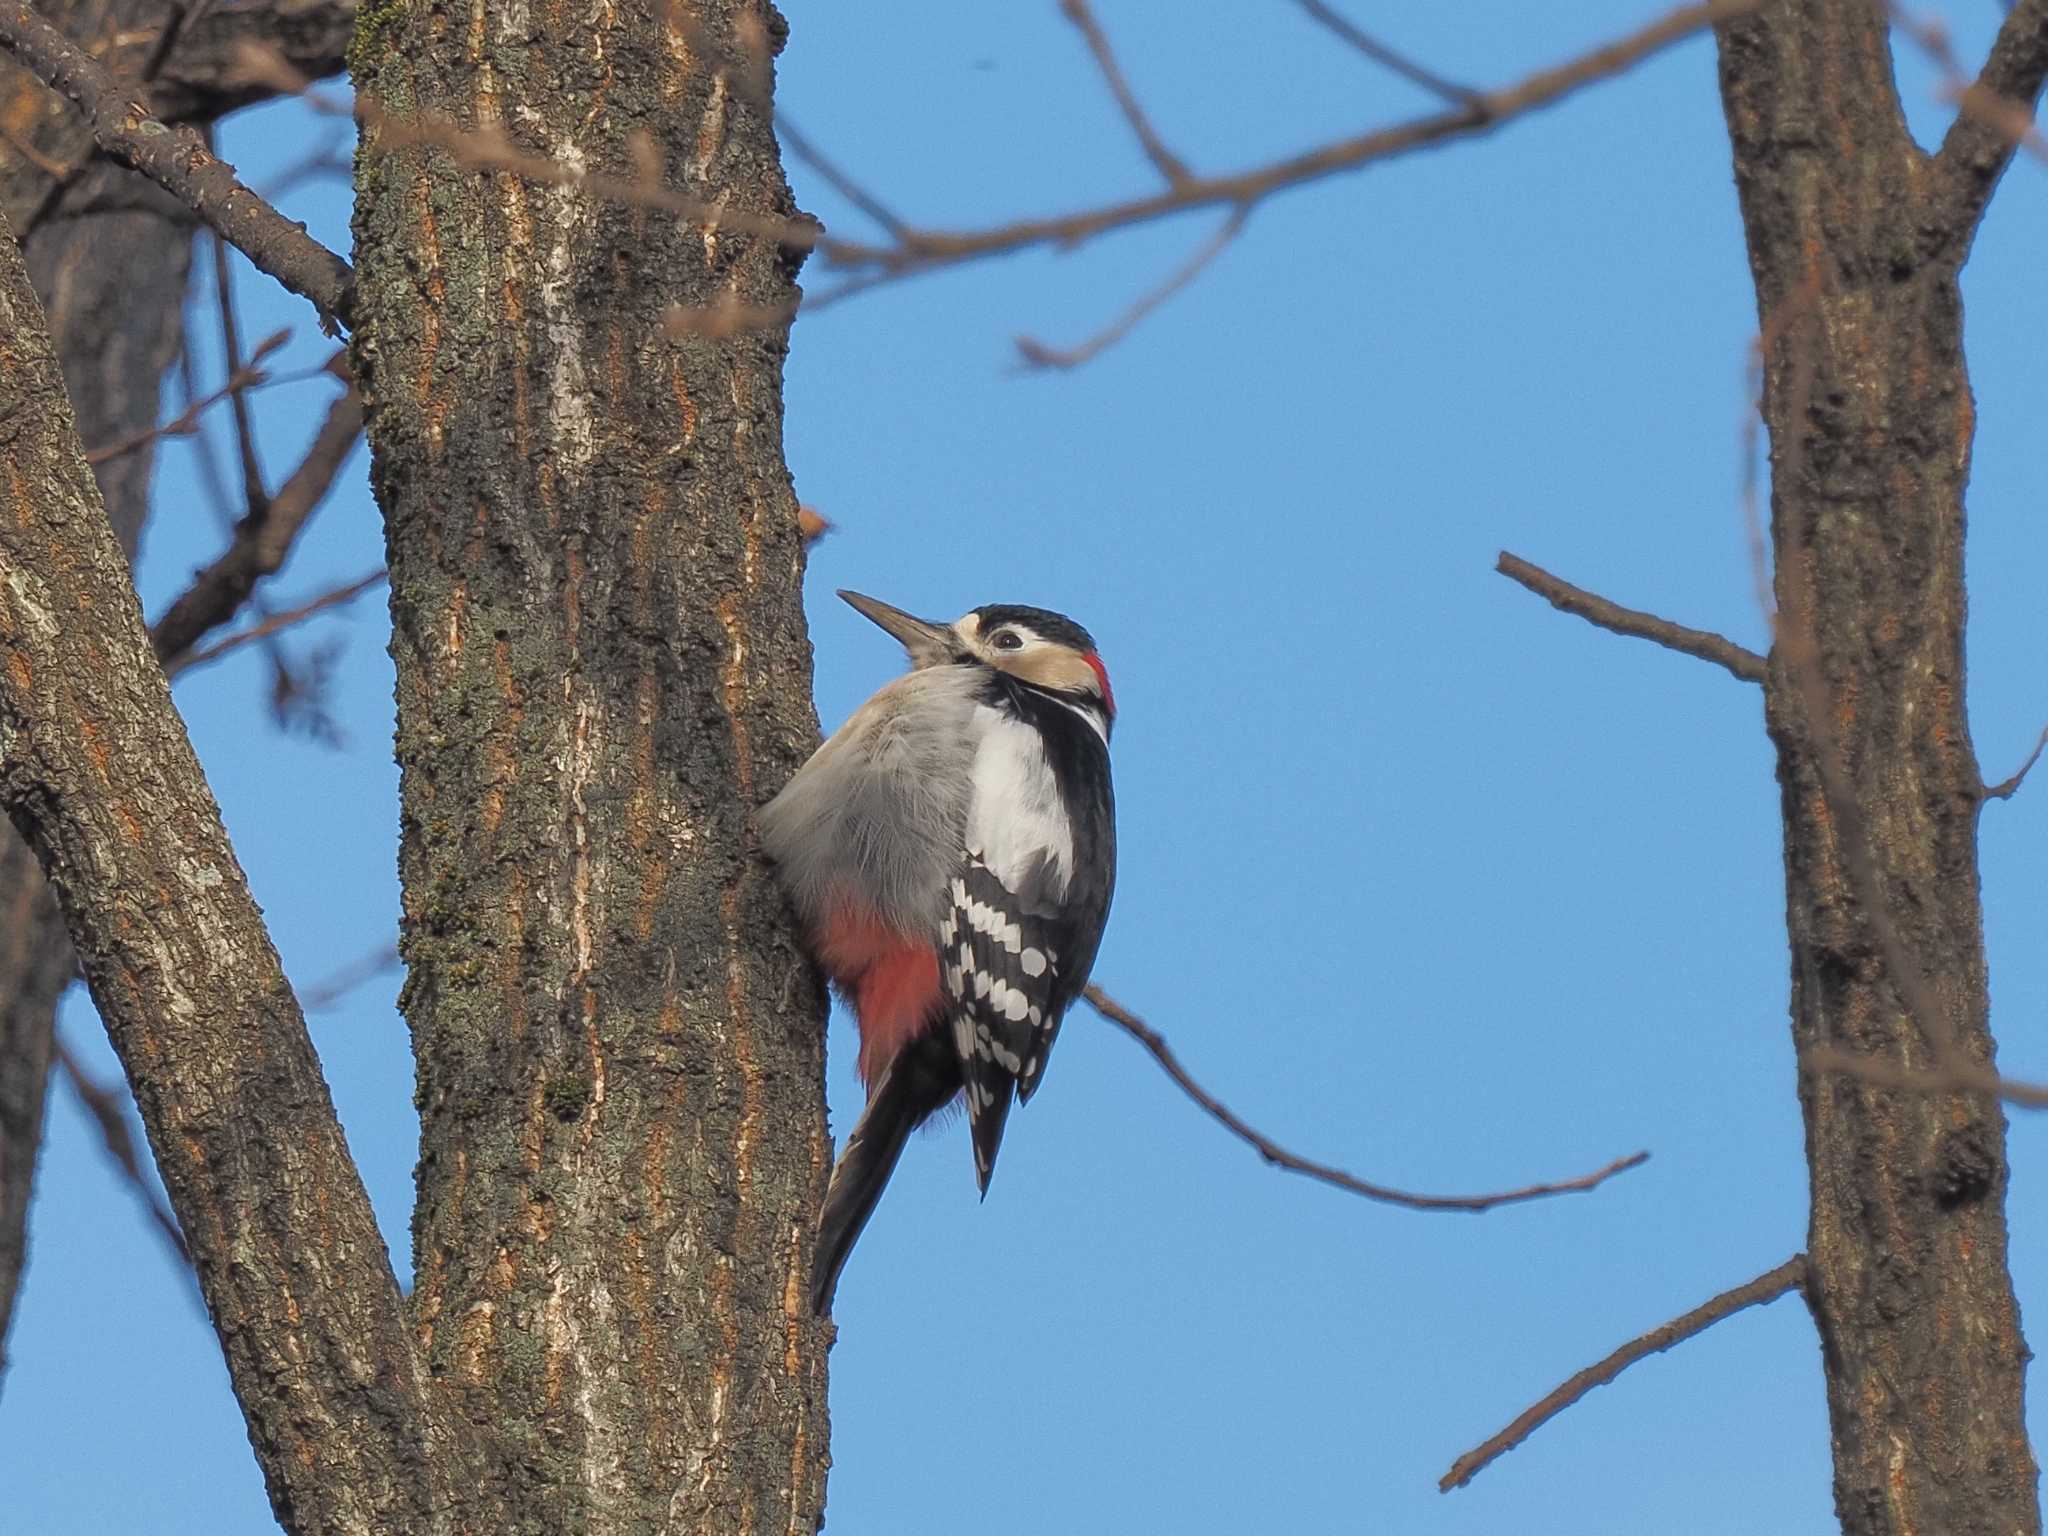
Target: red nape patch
891, 979
1102, 677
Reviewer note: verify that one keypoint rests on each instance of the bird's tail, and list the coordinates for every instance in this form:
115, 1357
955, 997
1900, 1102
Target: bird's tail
914, 1085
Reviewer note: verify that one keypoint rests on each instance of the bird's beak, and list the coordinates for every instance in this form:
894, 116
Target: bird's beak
929, 644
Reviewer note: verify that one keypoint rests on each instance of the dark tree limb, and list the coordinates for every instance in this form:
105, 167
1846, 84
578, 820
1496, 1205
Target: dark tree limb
1766, 1287
109, 262
274, 624
1703, 643
264, 538
35, 968
107, 1105
1280, 1157
97, 773
1993, 112
178, 161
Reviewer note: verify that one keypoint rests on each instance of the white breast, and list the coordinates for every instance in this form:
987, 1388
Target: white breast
1014, 817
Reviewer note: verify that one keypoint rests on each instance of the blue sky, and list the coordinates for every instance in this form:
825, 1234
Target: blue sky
1421, 877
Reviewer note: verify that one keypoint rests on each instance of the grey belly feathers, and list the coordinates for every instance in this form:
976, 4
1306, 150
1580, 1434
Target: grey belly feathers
882, 808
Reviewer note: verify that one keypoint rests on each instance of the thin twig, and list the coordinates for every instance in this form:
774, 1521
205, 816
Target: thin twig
275, 623
256, 499
931, 250
2005, 788
179, 162
1381, 54
1164, 160
1703, 643
1768, 1286
1038, 355
248, 376
1279, 1157
183, 16
344, 981
106, 1106
799, 145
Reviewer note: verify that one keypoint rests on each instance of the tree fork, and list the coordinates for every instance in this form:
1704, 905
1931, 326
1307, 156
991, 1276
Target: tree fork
602, 671
1856, 240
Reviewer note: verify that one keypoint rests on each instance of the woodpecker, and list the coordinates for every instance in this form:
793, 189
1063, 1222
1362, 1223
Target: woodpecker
951, 853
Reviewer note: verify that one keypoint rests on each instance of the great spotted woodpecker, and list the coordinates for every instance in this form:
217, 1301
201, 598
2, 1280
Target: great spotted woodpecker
951, 853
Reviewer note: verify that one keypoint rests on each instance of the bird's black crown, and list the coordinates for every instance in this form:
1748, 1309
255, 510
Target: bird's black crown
1042, 622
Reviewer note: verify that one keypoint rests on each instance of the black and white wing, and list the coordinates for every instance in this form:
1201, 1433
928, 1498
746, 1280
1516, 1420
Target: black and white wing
1027, 907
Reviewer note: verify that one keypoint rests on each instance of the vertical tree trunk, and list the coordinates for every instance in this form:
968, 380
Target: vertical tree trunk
1856, 237
108, 256
602, 671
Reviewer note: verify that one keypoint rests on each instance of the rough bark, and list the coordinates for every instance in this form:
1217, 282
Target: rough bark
1856, 238
108, 259
109, 256
98, 775
35, 967
602, 671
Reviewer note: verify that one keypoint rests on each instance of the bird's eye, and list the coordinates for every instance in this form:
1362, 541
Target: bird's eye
1008, 640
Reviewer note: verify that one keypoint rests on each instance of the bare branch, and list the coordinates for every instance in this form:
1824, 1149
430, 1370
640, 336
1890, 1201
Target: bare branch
1768, 1286
1703, 643
1038, 355
1164, 160
1380, 53
2006, 788
255, 497
1995, 112
344, 981
1481, 114
106, 1106
799, 145
263, 538
176, 160
183, 14
276, 623
186, 421
1279, 1157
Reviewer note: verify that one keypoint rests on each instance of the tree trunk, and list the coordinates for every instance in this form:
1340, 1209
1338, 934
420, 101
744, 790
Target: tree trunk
1856, 238
108, 256
602, 671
